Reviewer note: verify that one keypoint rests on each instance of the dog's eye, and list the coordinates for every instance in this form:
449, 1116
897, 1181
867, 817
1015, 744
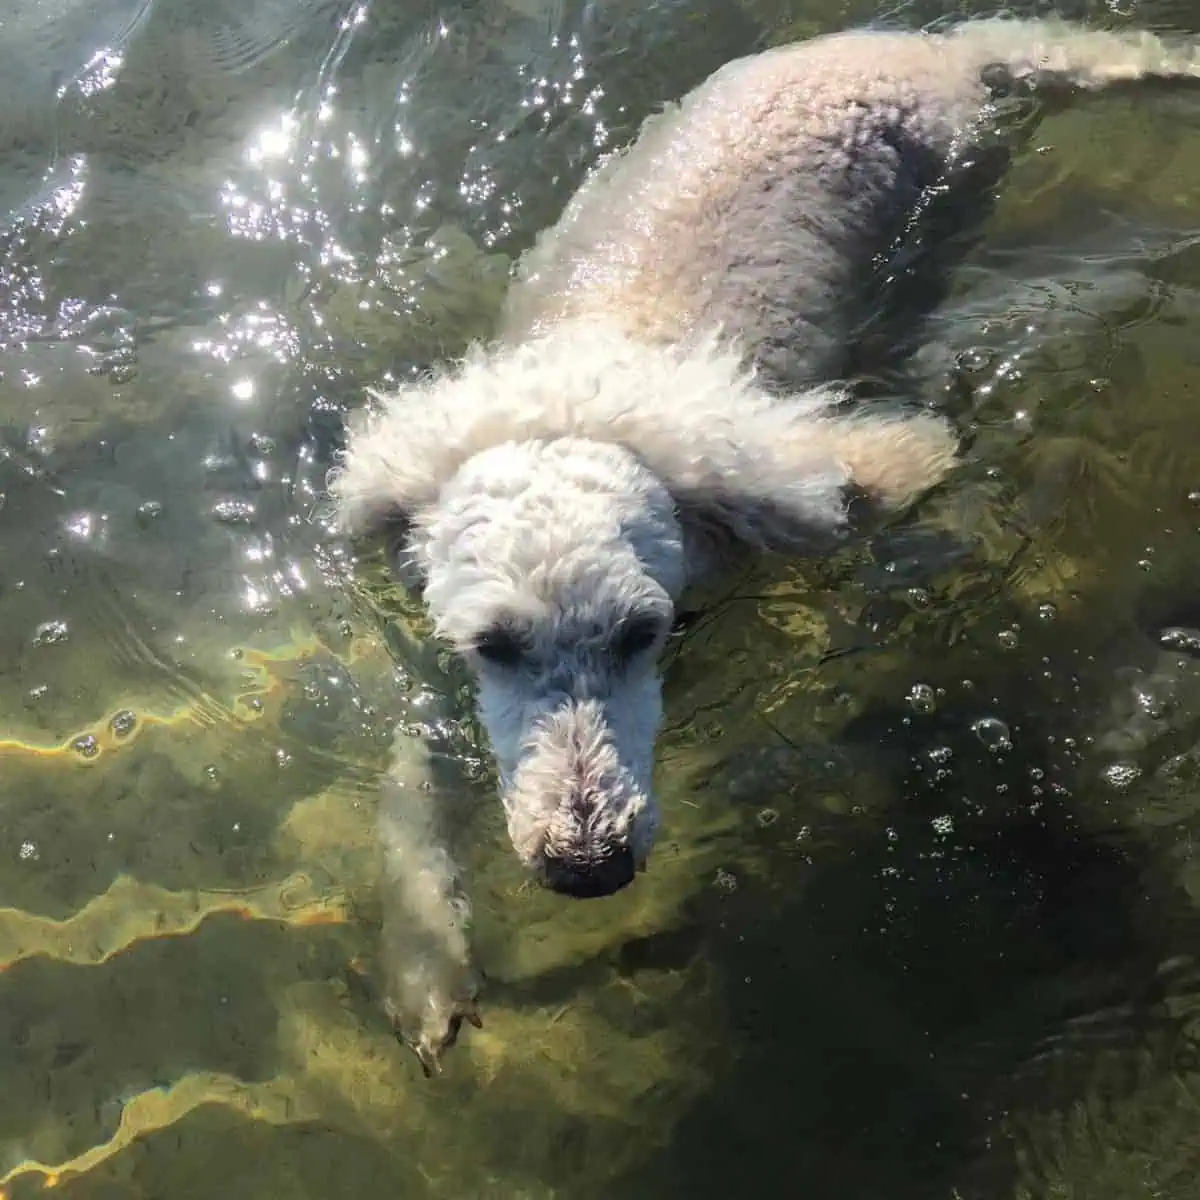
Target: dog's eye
395, 531
635, 637
396, 545
684, 621
500, 647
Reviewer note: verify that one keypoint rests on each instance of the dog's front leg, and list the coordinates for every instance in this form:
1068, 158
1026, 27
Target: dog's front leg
430, 985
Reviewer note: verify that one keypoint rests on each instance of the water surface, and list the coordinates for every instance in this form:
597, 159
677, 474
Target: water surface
924, 917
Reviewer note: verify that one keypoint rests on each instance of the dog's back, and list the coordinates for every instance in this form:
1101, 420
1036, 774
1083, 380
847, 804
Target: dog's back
793, 201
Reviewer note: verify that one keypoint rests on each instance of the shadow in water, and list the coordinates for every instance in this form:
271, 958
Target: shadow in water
904, 988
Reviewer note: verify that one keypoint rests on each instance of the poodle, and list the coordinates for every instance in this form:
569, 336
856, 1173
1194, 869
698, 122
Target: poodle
666, 389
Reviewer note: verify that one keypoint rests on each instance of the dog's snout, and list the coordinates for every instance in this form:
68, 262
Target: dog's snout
592, 877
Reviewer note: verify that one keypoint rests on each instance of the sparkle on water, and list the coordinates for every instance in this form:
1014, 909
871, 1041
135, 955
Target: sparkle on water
922, 922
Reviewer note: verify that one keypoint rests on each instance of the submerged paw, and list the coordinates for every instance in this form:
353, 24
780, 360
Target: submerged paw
431, 1041
429, 1025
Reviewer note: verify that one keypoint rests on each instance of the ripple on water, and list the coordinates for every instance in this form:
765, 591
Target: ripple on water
221, 228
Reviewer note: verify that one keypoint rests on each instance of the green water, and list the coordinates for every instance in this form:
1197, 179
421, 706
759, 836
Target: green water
924, 917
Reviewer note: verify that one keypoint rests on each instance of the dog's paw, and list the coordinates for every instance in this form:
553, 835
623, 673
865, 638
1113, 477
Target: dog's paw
428, 1020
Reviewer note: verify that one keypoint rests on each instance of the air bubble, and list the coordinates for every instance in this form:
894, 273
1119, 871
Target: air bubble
233, 512
921, 698
1121, 776
1178, 637
993, 733
123, 723
50, 633
86, 746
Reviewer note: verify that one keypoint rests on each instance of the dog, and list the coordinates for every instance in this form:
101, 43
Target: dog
667, 389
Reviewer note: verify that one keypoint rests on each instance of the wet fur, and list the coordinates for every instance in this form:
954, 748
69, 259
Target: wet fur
666, 388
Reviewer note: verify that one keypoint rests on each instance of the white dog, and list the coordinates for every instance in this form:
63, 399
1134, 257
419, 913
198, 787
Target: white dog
665, 390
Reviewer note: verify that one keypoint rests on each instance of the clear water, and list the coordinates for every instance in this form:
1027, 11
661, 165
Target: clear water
924, 919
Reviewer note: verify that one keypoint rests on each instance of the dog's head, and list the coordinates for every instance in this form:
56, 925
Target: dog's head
552, 502
553, 567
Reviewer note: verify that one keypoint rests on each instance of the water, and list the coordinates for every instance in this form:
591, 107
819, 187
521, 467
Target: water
924, 916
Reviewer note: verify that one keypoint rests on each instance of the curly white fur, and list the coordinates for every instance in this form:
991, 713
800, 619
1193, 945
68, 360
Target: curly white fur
666, 387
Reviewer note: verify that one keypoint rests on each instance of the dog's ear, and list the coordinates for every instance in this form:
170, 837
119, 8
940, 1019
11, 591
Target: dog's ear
381, 480
787, 486
745, 468
404, 446
367, 496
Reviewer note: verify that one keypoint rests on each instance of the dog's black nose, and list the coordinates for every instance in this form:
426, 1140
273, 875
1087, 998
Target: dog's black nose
589, 878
